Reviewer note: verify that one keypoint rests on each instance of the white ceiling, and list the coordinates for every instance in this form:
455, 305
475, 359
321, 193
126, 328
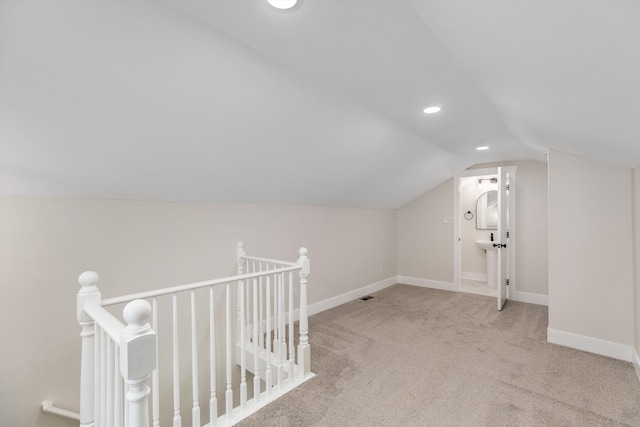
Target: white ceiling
232, 101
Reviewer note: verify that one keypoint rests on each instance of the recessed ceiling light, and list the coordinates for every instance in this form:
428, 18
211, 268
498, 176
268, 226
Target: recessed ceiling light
482, 148
282, 4
431, 110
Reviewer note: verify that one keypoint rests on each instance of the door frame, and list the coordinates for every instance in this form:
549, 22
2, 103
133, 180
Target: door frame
457, 222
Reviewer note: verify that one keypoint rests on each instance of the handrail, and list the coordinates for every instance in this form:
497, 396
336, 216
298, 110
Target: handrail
191, 286
106, 321
273, 261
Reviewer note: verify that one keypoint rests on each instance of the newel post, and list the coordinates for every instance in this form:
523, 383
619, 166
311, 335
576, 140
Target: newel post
304, 350
137, 360
87, 295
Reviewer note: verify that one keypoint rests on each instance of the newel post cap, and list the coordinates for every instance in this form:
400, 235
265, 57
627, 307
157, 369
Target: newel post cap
88, 294
88, 281
137, 314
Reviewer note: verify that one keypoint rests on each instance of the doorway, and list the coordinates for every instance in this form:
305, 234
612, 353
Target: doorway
484, 250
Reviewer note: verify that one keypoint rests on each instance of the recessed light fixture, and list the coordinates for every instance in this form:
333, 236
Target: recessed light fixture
282, 4
482, 148
431, 110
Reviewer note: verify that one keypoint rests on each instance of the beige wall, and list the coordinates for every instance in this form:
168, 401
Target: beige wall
590, 247
425, 242
531, 227
47, 242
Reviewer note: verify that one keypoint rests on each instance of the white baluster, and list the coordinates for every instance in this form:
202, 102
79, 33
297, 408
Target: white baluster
248, 301
261, 314
195, 411
213, 400
291, 333
126, 406
177, 419
239, 301
278, 342
241, 323
138, 356
108, 369
155, 379
243, 344
229, 391
88, 294
280, 338
256, 365
267, 373
283, 327
97, 353
103, 377
117, 392
275, 331
248, 297
304, 350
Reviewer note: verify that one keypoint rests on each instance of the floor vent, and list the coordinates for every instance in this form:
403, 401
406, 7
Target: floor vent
368, 297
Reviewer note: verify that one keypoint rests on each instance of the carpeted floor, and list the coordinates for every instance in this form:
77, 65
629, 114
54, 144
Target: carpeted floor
421, 357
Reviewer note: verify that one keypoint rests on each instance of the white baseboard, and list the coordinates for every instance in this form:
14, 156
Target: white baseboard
425, 283
636, 363
350, 296
529, 298
592, 345
478, 277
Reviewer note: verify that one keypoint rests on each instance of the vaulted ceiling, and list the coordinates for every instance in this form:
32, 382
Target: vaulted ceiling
234, 101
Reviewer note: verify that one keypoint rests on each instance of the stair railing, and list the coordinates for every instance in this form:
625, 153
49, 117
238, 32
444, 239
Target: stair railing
262, 316
113, 354
118, 360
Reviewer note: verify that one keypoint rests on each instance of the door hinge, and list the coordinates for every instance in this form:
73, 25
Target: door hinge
507, 282
507, 234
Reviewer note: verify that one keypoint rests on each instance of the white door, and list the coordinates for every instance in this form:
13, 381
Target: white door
501, 241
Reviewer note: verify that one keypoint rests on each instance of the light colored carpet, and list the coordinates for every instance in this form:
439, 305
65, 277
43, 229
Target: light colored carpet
422, 357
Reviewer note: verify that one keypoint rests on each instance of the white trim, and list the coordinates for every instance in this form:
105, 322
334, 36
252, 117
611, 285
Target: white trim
413, 281
457, 215
529, 298
590, 344
513, 235
636, 363
426, 283
478, 277
350, 296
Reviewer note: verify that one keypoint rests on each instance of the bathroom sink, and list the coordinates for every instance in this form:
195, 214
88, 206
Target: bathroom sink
492, 260
485, 244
